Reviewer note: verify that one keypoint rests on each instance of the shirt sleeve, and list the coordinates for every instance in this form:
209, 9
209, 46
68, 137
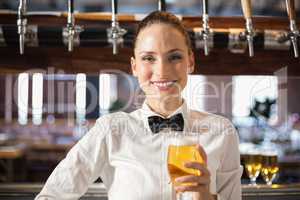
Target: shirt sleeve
228, 176
82, 166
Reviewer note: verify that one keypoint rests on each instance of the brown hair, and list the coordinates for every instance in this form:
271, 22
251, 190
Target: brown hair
157, 17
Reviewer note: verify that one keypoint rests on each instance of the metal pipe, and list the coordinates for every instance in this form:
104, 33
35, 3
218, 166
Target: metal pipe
205, 25
22, 23
115, 33
294, 32
205, 6
114, 26
162, 5
71, 25
247, 10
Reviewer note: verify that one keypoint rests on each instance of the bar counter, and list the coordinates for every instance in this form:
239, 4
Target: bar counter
97, 191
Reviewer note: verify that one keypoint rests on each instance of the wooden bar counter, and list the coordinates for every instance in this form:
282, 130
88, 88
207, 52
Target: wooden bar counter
97, 191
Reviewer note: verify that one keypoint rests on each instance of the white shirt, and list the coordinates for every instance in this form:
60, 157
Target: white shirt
131, 160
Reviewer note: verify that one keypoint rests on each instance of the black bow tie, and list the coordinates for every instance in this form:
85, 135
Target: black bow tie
156, 123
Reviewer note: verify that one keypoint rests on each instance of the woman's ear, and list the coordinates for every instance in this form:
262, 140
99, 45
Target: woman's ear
191, 65
133, 66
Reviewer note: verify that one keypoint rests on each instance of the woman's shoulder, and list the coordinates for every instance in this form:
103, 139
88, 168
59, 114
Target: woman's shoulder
113, 118
203, 115
206, 120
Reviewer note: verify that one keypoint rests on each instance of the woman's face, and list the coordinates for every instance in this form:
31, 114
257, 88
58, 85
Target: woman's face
162, 61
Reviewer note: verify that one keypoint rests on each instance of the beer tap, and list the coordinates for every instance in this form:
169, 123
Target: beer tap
115, 33
71, 31
247, 10
161, 5
206, 30
294, 32
71, 25
22, 24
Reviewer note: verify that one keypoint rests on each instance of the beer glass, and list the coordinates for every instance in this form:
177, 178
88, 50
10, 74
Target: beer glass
253, 164
270, 167
182, 149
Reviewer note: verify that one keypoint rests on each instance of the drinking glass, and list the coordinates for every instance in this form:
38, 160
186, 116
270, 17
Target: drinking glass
270, 167
182, 149
253, 164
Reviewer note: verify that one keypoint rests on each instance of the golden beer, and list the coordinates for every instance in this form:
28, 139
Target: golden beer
253, 164
269, 168
178, 155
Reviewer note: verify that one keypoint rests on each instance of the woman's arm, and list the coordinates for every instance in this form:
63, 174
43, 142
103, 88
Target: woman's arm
81, 167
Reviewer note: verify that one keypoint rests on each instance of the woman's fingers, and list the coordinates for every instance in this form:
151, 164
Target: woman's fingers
202, 153
198, 183
196, 165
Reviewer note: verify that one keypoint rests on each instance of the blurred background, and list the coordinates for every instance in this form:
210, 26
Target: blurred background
187, 7
264, 108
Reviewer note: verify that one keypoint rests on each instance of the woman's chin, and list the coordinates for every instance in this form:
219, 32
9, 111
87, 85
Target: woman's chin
163, 94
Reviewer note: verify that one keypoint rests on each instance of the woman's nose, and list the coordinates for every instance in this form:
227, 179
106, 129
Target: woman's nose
162, 68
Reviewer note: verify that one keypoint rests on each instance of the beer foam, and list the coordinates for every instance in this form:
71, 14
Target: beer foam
269, 153
180, 141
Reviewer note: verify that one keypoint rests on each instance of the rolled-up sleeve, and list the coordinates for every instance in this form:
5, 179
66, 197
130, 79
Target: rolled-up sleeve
228, 176
81, 167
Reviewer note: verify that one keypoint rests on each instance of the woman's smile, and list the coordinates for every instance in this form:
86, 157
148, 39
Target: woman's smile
164, 85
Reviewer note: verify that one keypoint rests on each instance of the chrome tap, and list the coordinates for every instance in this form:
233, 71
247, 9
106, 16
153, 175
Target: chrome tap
247, 10
294, 32
71, 25
115, 33
206, 30
71, 31
22, 24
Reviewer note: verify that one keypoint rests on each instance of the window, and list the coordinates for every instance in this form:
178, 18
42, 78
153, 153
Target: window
248, 88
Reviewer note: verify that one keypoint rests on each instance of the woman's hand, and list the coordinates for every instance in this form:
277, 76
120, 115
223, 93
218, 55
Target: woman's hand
200, 184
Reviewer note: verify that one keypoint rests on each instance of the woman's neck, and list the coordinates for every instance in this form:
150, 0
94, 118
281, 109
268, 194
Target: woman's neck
166, 107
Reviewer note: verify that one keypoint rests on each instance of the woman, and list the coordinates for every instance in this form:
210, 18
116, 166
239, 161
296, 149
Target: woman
127, 149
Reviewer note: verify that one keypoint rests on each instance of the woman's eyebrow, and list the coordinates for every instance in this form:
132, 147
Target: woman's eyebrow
173, 50
152, 52
146, 52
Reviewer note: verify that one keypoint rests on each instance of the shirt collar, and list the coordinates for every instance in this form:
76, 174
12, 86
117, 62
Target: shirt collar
146, 112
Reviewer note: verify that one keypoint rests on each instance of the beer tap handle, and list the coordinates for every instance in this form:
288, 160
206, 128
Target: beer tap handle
161, 5
114, 7
205, 6
247, 10
71, 6
290, 5
115, 33
22, 23
206, 31
294, 34
71, 25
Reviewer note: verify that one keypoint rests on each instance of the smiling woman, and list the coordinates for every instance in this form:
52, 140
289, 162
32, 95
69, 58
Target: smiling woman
163, 58
131, 148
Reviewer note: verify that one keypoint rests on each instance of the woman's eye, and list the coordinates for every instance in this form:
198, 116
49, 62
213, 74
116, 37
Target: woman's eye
148, 58
175, 57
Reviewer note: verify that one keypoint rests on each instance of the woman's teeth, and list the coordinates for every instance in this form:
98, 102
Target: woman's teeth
164, 84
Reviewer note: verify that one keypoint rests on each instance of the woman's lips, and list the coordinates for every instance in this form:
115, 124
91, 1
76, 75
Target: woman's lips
164, 85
